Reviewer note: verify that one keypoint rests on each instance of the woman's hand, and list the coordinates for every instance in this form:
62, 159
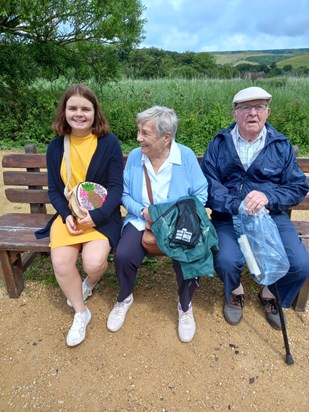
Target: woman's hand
86, 221
146, 214
71, 226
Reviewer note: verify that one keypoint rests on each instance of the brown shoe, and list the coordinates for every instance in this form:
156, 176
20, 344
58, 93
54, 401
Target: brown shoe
233, 310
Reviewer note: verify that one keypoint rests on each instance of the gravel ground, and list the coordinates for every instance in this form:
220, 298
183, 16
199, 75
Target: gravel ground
144, 367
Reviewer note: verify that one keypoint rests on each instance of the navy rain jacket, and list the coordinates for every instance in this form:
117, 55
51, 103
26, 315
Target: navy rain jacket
274, 172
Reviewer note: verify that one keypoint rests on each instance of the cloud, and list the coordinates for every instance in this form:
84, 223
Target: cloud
224, 25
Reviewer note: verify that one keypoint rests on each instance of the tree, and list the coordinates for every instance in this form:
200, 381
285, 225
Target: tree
204, 63
76, 39
148, 63
71, 21
61, 34
287, 68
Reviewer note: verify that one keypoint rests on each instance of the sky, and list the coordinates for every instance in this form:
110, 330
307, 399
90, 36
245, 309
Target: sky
226, 25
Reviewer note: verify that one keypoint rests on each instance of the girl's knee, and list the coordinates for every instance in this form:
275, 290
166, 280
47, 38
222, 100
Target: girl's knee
61, 266
95, 266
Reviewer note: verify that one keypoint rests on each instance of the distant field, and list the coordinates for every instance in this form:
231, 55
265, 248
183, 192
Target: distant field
235, 58
295, 57
295, 61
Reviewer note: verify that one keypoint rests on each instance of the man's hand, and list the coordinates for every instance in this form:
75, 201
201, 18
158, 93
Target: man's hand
254, 201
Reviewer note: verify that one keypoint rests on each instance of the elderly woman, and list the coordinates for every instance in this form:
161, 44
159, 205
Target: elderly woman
174, 172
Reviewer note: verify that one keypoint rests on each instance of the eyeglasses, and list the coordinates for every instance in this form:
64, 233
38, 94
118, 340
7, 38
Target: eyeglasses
259, 108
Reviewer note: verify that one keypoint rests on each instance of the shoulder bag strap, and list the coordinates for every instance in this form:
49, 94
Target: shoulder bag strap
148, 184
66, 143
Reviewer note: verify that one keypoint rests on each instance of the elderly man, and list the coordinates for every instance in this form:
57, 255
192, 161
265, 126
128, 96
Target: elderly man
252, 161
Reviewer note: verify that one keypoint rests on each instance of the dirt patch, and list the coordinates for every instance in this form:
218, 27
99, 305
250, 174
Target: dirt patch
144, 367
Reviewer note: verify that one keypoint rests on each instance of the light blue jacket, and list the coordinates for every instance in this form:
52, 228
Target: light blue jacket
187, 180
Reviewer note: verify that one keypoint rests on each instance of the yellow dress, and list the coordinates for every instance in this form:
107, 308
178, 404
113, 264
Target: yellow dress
81, 152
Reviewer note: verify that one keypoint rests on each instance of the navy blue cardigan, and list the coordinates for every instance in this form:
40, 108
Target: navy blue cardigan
105, 168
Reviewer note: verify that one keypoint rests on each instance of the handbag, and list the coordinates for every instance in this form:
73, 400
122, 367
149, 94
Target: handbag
149, 240
87, 195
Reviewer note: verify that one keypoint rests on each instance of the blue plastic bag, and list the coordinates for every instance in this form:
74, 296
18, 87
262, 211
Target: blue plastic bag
261, 245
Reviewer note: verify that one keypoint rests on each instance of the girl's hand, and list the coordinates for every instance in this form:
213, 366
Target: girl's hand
86, 221
71, 226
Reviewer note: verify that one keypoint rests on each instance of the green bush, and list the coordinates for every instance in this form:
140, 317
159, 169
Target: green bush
203, 107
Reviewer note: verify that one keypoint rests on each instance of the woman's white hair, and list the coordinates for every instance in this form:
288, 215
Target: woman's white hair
165, 120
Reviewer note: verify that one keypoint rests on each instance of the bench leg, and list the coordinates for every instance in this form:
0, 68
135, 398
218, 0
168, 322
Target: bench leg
302, 298
12, 272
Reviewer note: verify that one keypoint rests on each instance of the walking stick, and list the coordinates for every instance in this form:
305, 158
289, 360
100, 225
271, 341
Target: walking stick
263, 233
288, 357
256, 274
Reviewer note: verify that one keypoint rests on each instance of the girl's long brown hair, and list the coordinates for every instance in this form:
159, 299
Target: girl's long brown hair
100, 123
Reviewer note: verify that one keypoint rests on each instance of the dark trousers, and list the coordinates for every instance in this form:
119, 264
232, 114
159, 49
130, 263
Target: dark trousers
128, 258
229, 260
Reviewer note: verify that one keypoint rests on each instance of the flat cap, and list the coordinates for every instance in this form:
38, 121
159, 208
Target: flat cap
251, 93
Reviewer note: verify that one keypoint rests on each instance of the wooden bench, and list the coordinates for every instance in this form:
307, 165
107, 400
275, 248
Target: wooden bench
25, 176
302, 228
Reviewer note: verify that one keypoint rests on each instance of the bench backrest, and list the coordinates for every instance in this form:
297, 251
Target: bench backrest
304, 165
28, 179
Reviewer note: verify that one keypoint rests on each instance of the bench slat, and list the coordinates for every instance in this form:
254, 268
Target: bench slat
303, 164
11, 177
24, 220
302, 229
17, 232
20, 160
26, 160
24, 242
27, 195
303, 205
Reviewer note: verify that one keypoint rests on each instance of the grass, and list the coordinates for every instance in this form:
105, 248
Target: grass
155, 273
203, 107
41, 271
282, 57
236, 57
295, 61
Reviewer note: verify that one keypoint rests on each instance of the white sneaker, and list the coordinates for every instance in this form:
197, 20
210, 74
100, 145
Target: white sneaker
77, 332
186, 325
117, 315
86, 290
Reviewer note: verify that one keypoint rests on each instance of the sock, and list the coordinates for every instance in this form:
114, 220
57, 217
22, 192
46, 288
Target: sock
84, 313
239, 290
180, 308
128, 299
266, 293
87, 284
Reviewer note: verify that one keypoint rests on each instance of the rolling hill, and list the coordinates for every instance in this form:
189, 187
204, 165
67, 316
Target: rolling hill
295, 57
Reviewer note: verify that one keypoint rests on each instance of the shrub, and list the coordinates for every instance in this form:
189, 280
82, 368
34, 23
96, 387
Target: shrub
202, 105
